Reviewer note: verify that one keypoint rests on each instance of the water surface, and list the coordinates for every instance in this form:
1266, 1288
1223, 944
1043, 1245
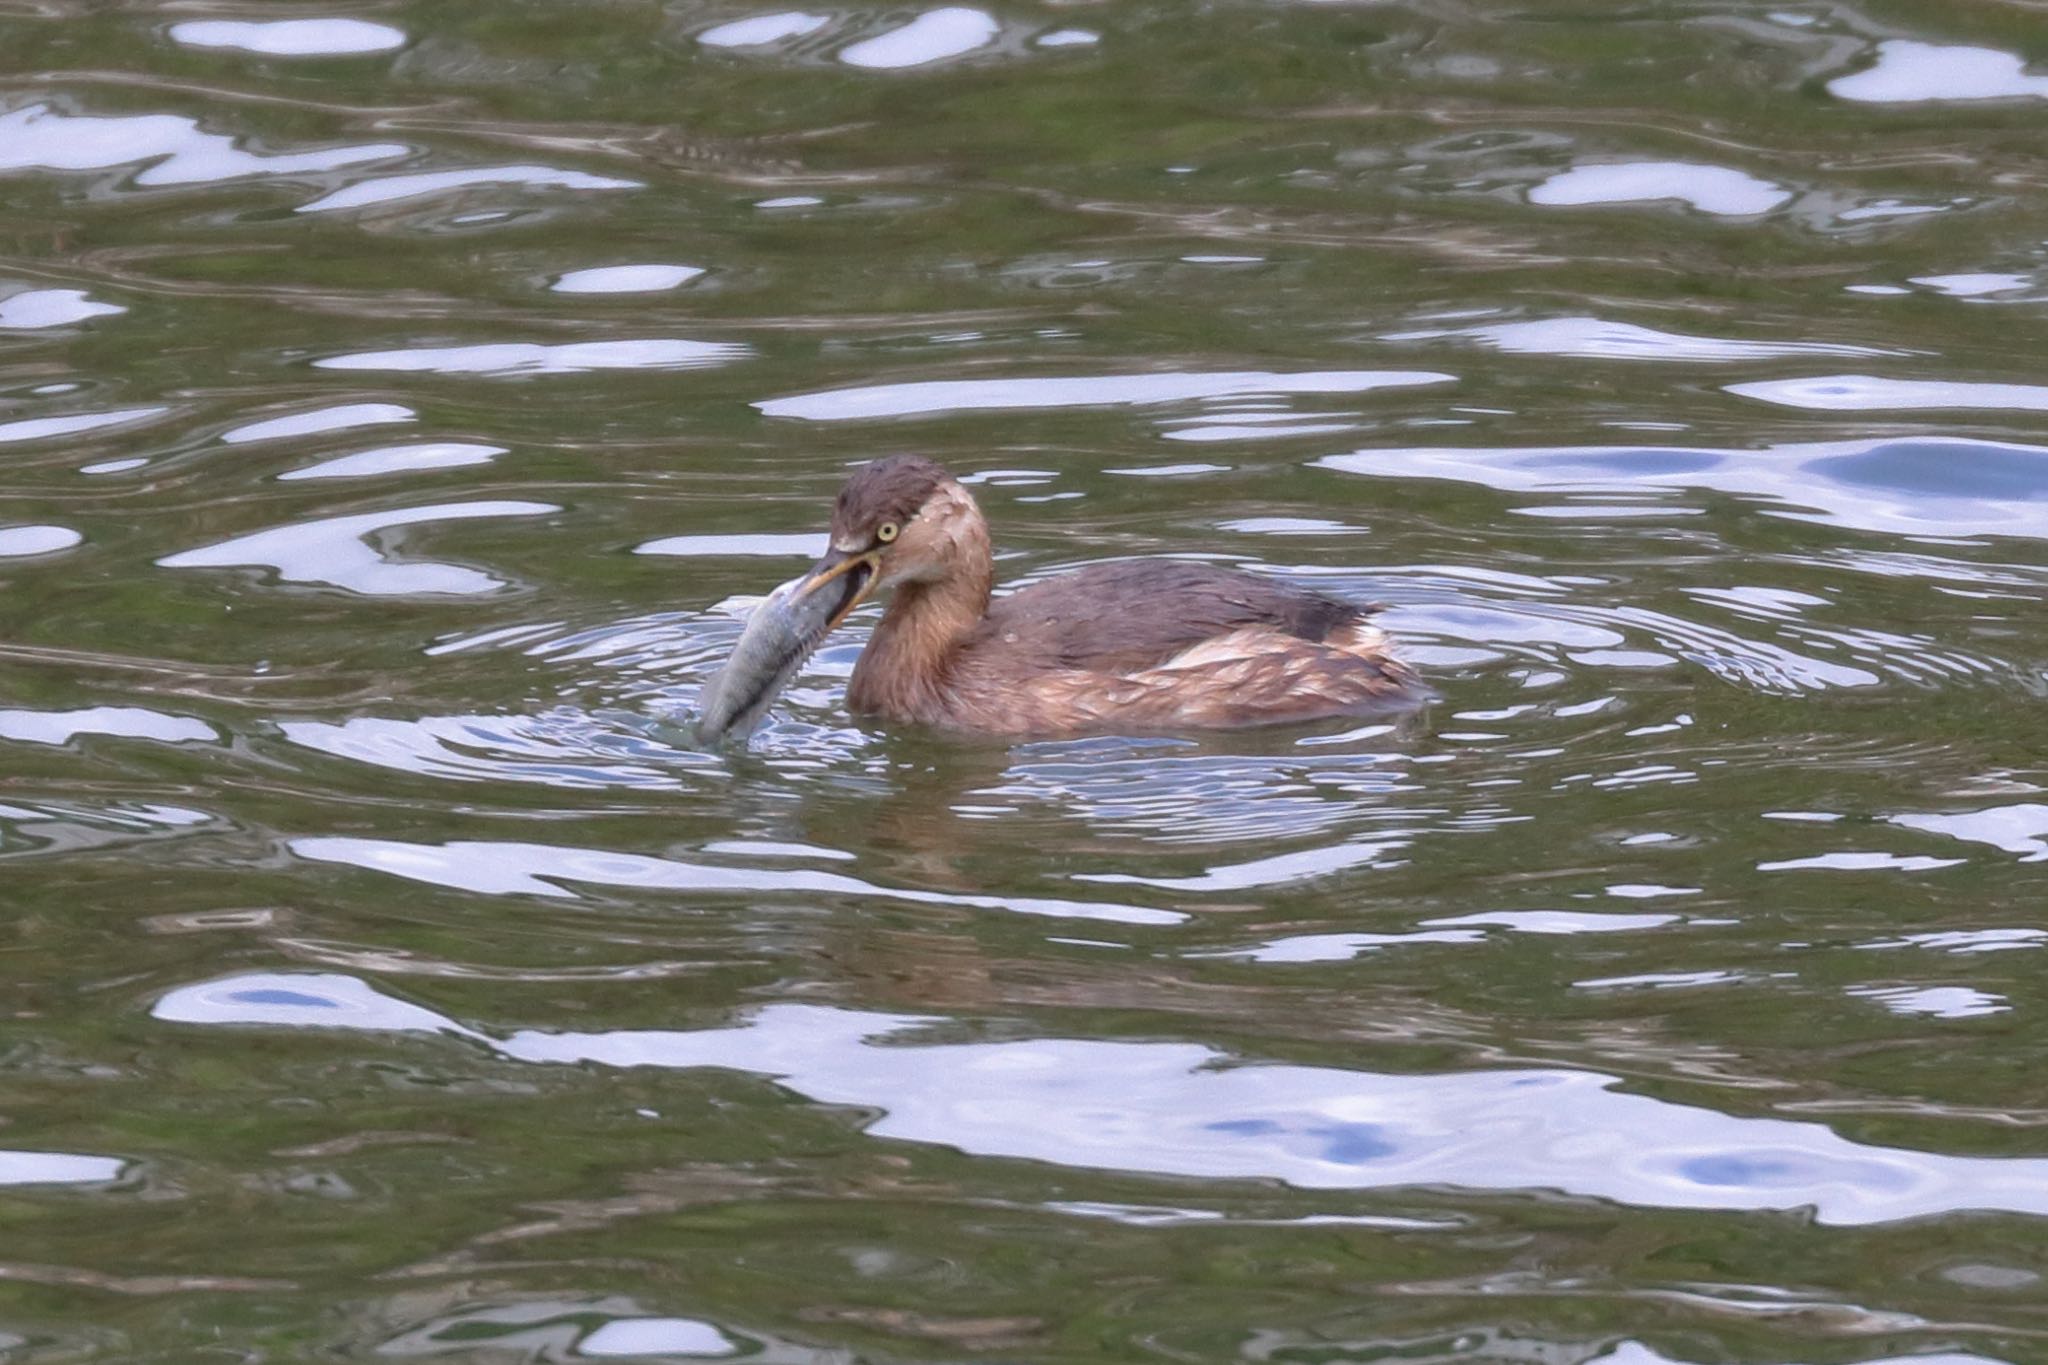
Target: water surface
400, 405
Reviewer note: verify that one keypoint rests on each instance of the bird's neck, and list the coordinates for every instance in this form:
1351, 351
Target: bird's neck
906, 666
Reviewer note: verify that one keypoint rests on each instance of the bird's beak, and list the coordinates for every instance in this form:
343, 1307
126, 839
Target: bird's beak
836, 584
790, 623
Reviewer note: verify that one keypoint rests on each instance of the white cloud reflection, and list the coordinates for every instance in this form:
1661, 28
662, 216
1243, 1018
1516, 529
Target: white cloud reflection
527, 869
530, 357
1717, 190
391, 189
1186, 1110
333, 551
1915, 485
39, 138
920, 397
327, 37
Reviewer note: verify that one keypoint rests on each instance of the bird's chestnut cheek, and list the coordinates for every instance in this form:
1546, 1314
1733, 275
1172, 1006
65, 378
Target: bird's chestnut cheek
915, 558
893, 569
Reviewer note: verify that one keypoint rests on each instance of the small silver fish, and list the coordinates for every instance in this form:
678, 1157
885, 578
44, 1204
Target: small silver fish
770, 651
790, 622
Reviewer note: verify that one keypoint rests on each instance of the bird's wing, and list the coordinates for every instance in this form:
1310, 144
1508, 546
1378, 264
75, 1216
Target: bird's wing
1136, 614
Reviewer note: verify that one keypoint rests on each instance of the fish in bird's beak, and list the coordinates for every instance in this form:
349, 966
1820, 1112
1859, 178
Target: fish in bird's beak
791, 621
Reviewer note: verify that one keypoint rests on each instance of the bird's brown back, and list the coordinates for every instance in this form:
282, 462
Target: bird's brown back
1134, 614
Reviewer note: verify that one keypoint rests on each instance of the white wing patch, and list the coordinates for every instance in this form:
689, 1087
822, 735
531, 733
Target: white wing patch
1259, 642
1239, 645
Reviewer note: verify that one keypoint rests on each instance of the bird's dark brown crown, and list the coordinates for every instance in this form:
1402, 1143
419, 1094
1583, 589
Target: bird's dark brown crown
889, 489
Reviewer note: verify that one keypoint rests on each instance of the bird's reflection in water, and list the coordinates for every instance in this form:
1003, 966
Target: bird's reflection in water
922, 814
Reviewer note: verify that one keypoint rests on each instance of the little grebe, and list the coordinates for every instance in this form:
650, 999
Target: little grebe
1144, 645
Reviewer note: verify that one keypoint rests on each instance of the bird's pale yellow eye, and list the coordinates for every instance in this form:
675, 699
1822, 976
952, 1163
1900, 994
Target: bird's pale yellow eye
887, 531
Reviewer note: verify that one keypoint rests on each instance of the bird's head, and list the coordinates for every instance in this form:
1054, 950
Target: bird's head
902, 519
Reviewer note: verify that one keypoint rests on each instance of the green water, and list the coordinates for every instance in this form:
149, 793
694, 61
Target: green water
384, 974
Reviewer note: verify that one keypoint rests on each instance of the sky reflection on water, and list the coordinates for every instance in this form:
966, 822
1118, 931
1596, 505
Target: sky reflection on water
334, 552
1180, 1110
1939, 486
40, 138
